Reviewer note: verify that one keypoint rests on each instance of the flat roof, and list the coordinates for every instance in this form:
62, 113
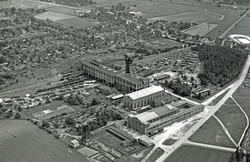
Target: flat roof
145, 92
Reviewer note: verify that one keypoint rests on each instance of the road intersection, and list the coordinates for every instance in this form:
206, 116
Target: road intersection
211, 111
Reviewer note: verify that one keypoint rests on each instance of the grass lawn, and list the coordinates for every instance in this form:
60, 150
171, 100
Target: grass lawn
242, 97
21, 141
169, 141
52, 106
212, 133
189, 153
216, 100
156, 154
76, 22
242, 27
233, 118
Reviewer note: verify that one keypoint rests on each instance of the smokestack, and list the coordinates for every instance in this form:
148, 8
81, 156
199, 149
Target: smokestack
128, 63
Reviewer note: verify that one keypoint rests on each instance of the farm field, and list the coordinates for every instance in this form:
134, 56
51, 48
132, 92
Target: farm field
23, 4
156, 154
242, 27
190, 153
22, 141
230, 16
233, 119
77, 22
201, 29
65, 19
199, 16
214, 134
53, 16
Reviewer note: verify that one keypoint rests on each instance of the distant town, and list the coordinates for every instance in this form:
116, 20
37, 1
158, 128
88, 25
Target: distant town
134, 81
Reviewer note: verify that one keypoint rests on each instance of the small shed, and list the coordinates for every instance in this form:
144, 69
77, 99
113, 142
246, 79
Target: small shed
74, 143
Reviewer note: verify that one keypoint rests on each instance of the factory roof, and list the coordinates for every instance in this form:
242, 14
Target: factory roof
145, 92
132, 78
145, 117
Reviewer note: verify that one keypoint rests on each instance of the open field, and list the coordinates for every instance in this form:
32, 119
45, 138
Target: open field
65, 19
53, 16
21, 141
156, 154
47, 114
49, 106
201, 29
243, 27
77, 22
230, 16
199, 16
233, 119
242, 98
189, 153
22, 4
212, 133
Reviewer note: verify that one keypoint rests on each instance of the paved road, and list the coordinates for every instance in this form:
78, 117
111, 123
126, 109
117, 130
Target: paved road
212, 110
183, 98
212, 146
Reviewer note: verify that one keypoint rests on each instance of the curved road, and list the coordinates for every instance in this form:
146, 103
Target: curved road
212, 110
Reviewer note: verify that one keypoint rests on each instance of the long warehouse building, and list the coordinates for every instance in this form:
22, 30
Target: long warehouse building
124, 82
154, 120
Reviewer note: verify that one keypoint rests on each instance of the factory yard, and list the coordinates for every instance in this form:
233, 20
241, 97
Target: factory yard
22, 141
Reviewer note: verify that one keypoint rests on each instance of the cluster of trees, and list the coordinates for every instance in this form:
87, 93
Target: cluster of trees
220, 64
180, 88
73, 3
239, 155
75, 99
102, 118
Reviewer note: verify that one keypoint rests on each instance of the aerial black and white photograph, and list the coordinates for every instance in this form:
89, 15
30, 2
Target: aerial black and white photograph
124, 80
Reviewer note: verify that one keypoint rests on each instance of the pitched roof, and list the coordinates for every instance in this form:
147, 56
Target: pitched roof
144, 92
146, 116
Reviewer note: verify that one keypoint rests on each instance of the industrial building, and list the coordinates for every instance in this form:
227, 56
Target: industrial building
154, 120
125, 82
142, 97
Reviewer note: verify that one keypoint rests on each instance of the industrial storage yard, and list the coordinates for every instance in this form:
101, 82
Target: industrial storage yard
107, 80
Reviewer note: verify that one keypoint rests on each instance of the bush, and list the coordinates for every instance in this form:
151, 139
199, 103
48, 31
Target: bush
18, 115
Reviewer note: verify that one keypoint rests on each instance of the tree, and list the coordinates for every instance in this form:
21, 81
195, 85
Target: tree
19, 108
9, 114
61, 97
18, 115
94, 102
45, 124
70, 121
